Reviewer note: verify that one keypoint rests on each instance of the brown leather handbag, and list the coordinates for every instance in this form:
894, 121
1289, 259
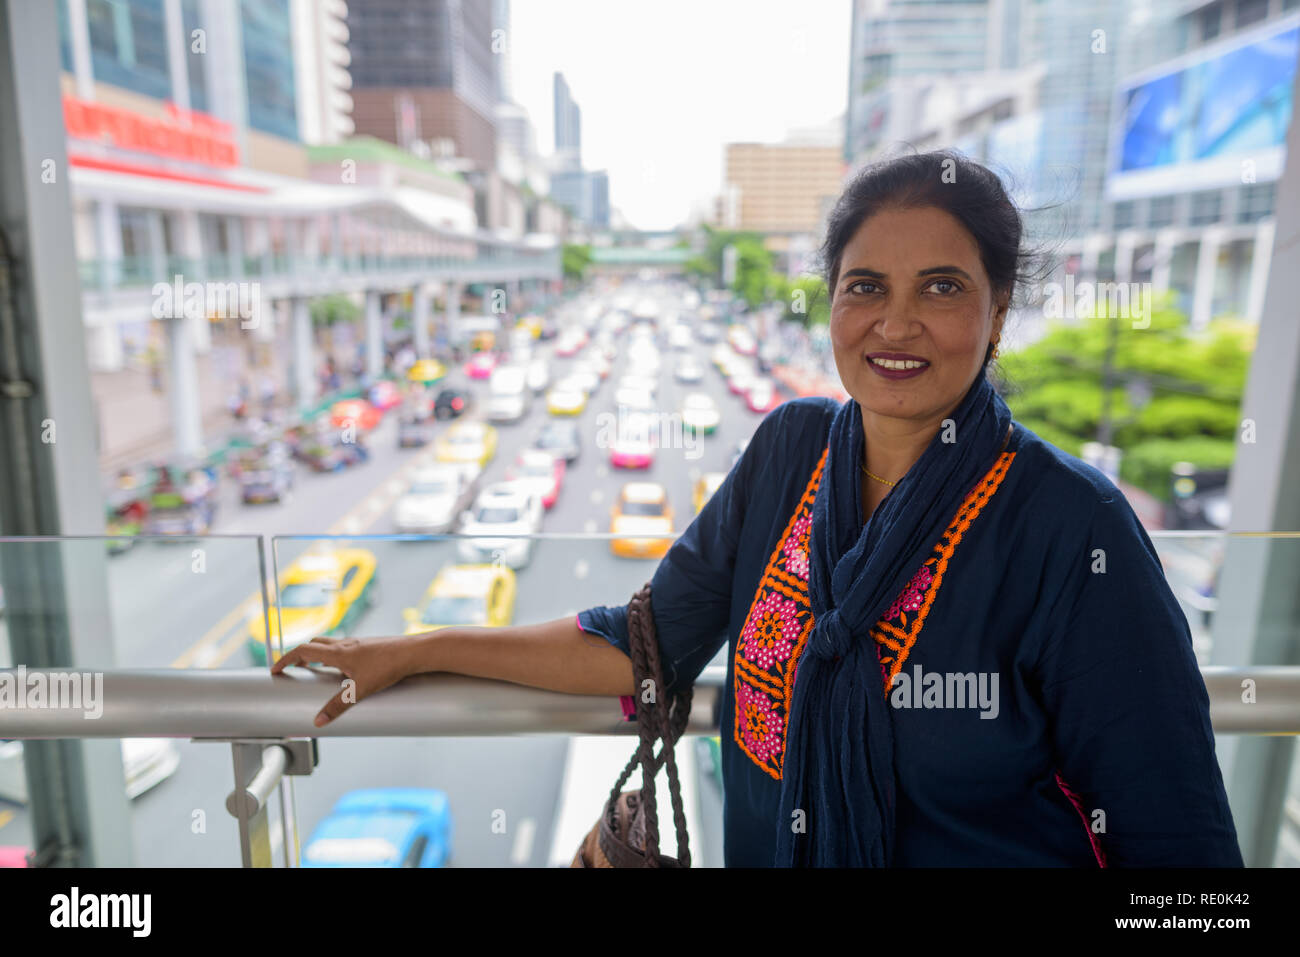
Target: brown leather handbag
627, 834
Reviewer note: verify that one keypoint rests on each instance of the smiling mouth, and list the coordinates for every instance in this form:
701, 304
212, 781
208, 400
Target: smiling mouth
898, 365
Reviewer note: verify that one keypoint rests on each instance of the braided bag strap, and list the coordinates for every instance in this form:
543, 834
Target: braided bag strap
659, 718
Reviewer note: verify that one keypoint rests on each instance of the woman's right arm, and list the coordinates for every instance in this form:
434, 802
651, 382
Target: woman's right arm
554, 655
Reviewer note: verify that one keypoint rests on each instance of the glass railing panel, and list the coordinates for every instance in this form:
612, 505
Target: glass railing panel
134, 602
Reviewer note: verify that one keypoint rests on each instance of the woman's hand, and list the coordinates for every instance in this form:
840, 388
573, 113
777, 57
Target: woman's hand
373, 665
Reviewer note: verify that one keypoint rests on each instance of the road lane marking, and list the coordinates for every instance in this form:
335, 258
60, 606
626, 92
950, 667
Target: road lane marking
239, 613
6, 817
580, 569
589, 525
522, 851
597, 496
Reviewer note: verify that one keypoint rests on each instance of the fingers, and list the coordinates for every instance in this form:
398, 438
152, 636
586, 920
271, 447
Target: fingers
318, 649
336, 706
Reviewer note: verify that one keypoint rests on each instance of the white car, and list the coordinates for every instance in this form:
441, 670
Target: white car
145, 763
539, 377
688, 372
508, 394
635, 400
503, 509
679, 337
700, 412
434, 499
585, 377
638, 383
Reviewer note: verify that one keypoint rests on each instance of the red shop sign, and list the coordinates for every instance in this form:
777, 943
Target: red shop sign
182, 134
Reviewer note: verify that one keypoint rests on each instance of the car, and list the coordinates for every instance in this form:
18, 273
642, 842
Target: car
413, 432
742, 340
324, 449
426, 371
642, 509
531, 325
466, 442
323, 592
452, 404
503, 509
436, 496
539, 377
679, 337
560, 438
638, 383
571, 342
357, 413
585, 378
688, 373
481, 595
509, 396
566, 398
540, 471
181, 502
146, 763
762, 396
266, 474
700, 413
634, 400
383, 827
704, 487
634, 443
480, 365
740, 380
384, 395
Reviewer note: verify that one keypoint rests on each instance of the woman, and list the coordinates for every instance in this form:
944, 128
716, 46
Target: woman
991, 667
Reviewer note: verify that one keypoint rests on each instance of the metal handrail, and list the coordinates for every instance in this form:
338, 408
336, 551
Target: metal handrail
252, 703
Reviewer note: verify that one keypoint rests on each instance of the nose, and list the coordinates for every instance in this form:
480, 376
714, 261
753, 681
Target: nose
899, 323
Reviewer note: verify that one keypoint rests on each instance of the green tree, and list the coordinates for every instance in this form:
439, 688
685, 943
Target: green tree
1175, 394
575, 260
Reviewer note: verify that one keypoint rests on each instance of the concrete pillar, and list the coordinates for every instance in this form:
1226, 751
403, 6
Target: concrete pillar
421, 303
108, 237
374, 335
1261, 257
79, 36
304, 370
454, 291
1162, 260
1207, 269
104, 350
187, 424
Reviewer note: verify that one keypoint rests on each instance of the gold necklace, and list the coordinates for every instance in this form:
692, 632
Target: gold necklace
870, 474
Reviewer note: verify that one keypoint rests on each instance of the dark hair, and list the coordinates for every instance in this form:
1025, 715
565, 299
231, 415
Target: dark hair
943, 179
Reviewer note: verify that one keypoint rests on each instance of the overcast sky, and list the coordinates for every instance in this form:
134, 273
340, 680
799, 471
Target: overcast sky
664, 85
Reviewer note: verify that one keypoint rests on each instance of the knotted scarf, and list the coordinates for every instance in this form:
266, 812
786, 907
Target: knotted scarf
837, 788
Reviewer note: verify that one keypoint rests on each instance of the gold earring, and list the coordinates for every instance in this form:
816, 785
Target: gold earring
995, 348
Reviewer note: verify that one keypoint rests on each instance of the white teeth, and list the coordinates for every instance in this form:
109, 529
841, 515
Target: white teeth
899, 363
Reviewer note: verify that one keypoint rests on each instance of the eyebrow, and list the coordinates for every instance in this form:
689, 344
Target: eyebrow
873, 274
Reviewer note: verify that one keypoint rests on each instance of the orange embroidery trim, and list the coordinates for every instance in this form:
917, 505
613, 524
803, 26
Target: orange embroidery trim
899, 641
763, 692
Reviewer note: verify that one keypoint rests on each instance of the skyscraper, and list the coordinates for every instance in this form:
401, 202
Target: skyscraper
568, 127
424, 70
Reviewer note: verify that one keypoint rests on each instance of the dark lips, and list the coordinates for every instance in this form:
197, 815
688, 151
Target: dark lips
895, 373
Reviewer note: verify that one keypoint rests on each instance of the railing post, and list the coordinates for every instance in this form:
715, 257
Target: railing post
260, 767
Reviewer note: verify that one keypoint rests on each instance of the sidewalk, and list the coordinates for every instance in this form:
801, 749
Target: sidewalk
135, 422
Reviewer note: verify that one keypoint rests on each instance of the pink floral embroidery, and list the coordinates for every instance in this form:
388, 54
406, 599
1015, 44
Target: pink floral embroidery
770, 631
913, 594
796, 547
761, 726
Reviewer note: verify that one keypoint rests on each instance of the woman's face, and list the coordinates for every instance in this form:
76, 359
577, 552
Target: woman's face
912, 289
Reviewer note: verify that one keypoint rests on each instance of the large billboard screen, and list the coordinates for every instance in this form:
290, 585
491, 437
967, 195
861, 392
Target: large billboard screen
1214, 118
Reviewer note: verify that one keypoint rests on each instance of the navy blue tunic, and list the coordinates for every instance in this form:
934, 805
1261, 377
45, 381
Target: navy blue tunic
1047, 705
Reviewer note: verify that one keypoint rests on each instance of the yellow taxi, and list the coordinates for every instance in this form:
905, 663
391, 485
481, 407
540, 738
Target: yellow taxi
642, 509
705, 486
532, 325
323, 592
467, 442
565, 398
465, 595
426, 371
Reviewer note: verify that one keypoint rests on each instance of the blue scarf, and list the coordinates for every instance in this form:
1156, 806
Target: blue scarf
839, 762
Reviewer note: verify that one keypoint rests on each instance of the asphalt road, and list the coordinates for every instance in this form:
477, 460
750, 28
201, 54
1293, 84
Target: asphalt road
186, 603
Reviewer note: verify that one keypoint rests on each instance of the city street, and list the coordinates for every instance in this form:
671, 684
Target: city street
186, 603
